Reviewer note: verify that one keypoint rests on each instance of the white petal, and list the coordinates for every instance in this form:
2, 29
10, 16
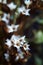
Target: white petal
22, 38
17, 58
18, 47
27, 46
10, 29
15, 37
8, 42
26, 12
21, 9
27, 2
6, 56
5, 20
15, 27
11, 6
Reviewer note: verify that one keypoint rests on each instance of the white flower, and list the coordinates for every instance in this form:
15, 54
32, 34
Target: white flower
6, 56
17, 45
26, 12
12, 28
8, 43
15, 37
16, 42
5, 1
4, 18
27, 2
22, 40
21, 9
12, 6
26, 47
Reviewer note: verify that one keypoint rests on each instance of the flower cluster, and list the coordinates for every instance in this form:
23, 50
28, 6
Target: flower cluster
16, 47
12, 6
20, 44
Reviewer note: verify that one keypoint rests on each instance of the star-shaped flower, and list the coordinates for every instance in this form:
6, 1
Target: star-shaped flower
26, 47
26, 12
4, 18
27, 2
12, 6
22, 40
16, 42
12, 28
8, 43
17, 45
15, 37
21, 9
